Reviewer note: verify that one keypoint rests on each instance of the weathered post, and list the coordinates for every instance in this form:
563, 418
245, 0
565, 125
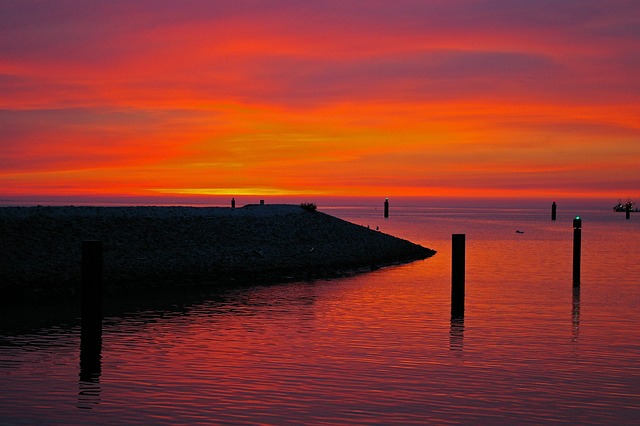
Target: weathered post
91, 279
386, 208
553, 211
457, 275
91, 322
233, 203
577, 243
627, 210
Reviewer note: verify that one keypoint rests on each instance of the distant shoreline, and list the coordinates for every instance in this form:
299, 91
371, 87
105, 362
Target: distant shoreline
156, 247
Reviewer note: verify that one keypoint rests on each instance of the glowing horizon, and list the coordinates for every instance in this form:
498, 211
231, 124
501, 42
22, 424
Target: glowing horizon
414, 98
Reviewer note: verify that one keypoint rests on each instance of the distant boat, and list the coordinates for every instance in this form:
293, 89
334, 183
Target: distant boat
519, 231
626, 206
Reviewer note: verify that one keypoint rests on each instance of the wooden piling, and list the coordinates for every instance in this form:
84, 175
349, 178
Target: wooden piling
457, 275
92, 281
90, 354
386, 208
91, 322
577, 248
553, 211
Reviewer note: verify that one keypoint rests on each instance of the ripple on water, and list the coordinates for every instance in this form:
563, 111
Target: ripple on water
368, 349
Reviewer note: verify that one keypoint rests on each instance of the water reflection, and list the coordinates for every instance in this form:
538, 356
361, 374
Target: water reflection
90, 362
89, 394
365, 349
575, 314
456, 334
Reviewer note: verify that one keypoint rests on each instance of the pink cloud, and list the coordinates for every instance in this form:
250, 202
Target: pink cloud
120, 83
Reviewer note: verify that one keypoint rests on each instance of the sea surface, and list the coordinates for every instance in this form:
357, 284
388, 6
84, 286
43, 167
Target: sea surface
373, 348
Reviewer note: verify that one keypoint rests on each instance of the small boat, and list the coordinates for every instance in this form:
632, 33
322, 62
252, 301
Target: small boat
519, 231
626, 206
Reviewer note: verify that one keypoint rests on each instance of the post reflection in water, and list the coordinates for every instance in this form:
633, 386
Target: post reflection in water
575, 314
91, 331
456, 334
90, 363
361, 349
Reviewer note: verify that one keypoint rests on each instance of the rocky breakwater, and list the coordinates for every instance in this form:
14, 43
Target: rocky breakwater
150, 247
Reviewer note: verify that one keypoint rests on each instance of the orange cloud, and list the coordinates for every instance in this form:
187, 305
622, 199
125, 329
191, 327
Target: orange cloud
414, 98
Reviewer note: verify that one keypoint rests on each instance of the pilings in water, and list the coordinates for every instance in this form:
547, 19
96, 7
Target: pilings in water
386, 207
457, 275
627, 211
577, 248
91, 311
553, 211
92, 281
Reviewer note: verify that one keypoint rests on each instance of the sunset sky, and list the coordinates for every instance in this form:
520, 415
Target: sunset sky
155, 98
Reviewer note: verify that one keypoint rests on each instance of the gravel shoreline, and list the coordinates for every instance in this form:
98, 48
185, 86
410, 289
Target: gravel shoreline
155, 247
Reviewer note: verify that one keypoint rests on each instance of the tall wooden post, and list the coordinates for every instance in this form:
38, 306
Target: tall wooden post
91, 322
457, 275
386, 208
553, 211
91, 279
577, 248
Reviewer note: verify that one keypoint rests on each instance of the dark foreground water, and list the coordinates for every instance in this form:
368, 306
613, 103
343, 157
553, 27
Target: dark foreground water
376, 348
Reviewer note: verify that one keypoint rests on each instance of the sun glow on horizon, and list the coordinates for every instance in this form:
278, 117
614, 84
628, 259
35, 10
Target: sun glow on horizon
237, 191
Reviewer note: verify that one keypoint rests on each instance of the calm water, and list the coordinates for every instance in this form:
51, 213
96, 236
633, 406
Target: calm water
376, 348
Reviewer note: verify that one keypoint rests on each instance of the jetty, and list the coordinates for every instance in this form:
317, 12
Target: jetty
154, 247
